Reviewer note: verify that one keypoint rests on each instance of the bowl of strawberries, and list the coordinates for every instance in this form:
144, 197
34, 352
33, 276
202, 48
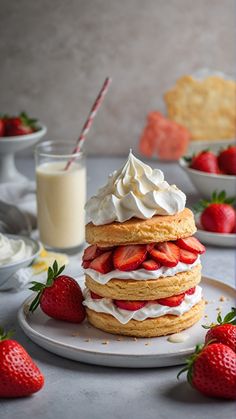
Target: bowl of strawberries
210, 171
16, 133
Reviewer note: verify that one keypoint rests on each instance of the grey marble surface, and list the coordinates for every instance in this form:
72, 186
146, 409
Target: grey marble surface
75, 390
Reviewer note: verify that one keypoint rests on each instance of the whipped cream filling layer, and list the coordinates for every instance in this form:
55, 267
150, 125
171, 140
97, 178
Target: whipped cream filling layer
141, 274
136, 190
150, 310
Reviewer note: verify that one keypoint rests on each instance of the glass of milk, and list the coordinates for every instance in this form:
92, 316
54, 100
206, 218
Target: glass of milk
61, 195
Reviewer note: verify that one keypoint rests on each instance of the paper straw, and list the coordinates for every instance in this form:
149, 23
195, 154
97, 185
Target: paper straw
89, 121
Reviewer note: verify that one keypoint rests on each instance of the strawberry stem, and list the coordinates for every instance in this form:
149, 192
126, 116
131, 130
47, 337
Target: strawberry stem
5, 335
219, 198
189, 363
53, 273
230, 318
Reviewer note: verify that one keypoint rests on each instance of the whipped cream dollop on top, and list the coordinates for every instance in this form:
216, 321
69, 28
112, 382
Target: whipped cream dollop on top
13, 250
136, 190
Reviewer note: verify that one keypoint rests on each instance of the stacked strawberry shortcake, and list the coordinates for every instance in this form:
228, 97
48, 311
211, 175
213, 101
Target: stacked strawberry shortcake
142, 268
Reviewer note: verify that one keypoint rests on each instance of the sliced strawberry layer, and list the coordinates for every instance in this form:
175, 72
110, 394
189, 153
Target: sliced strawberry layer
187, 257
129, 258
102, 263
191, 244
191, 291
86, 264
150, 265
173, 301
166, 253
95, 296
130, 305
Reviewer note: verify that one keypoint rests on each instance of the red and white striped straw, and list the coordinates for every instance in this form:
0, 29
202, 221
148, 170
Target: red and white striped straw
89, 121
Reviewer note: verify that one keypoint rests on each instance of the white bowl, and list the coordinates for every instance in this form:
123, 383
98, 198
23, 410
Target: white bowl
6, 271
11, 145
207, 183
216, 239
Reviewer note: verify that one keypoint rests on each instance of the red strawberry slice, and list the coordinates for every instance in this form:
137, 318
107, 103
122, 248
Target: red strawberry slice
86, 264
95, 296
190, 291
92, 252
150, 265
102, 263
128, 258
173, 301
187, 257
166, 253
130, 305
191, 244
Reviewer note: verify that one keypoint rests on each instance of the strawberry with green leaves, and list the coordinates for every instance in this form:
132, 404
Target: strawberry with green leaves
60, 297
205, 161
212, 370
19, 375
217, 215
223, 332
19, 125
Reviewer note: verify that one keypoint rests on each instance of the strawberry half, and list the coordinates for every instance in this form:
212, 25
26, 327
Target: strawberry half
191, 291
166, 253
173, 301
95, 296
187, 257
191, 244
129, 258
102, 263
130, 305
91, 252
150, 265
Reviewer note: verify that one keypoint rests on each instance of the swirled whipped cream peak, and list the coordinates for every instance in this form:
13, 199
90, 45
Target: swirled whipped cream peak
135, 190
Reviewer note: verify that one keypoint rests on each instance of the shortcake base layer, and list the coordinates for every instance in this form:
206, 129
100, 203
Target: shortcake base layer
125, 289
160, 326
157, 229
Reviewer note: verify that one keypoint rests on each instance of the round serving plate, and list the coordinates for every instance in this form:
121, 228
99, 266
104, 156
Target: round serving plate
84, 343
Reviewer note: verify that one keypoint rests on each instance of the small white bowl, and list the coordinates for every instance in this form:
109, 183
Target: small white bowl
207, 183
216, 239
6, 271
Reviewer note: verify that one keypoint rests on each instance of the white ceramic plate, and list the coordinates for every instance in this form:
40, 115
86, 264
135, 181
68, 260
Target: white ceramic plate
216, 239
84, 343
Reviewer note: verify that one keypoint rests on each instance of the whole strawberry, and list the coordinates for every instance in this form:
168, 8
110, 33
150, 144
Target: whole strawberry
227, 160
19, 376
205, 161
217, 215
2, 127
223, 332
60, 298
212, 370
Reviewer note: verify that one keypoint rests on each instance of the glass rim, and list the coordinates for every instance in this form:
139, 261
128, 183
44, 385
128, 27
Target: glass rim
45, 149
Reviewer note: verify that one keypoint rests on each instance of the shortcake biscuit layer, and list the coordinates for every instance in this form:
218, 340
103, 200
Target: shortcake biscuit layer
135, 231
125, 289
160, 326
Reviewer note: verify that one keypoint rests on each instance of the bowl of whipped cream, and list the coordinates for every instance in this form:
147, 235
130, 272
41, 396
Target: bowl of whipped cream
16, 252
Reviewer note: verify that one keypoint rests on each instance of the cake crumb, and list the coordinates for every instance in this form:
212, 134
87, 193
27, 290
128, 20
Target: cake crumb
222, 298
135, 339
105, 342
147, 344
206, 316
206, 301
120, 338
75, 334
87, 340
218, 308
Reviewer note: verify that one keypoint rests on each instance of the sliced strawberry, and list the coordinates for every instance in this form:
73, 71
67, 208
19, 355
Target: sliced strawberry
128, 258
173, 301
166, 253
102, 263
187, 257
190, 291
192, 244
92, 252
150, 265
130, 305
95, 296
86, 264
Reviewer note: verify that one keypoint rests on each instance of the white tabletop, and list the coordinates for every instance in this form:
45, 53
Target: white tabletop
75, 390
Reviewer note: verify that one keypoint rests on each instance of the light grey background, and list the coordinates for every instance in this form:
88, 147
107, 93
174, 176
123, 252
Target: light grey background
55, 55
